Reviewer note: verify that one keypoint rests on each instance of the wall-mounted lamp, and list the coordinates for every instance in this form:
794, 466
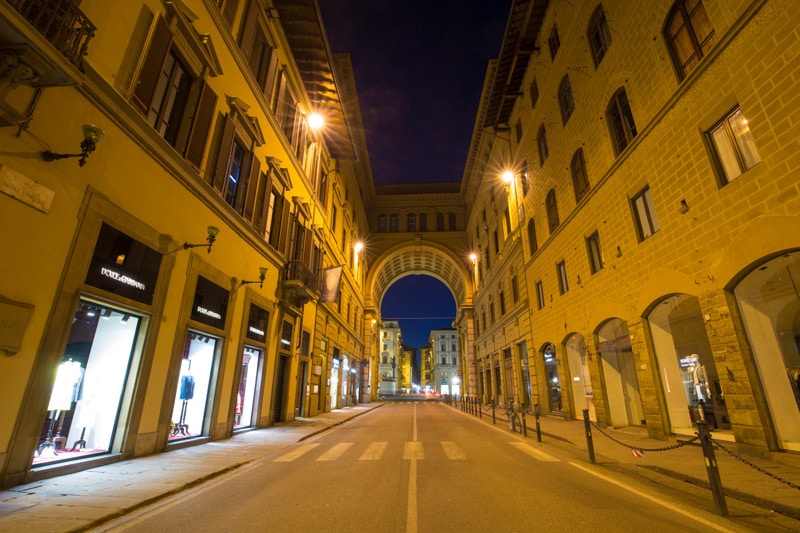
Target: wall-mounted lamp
684, 208
91, 136
262, 273
473, 257
358, 246
213, 231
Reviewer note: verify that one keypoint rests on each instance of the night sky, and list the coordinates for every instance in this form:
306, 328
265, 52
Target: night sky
419, 67
420, 303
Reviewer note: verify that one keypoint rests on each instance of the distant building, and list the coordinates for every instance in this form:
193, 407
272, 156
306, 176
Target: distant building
445, 372
391, 341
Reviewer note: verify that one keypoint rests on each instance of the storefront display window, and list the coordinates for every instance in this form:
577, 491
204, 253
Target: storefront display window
246, 393
191, 395
87, 394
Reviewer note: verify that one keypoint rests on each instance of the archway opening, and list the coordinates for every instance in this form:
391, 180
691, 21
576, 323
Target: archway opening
421, 304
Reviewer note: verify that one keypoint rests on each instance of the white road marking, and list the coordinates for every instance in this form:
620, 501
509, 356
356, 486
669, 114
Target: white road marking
675, 508
413, 450
335, 452
374, 451
296, 453
452, 451
533, 452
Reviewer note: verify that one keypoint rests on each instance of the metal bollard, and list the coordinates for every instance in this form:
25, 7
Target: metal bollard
536, 417
480, 407
711, 468
587, 426
494, 418
524, 424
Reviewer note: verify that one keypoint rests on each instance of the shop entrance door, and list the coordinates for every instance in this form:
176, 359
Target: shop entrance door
280, 385
194, 384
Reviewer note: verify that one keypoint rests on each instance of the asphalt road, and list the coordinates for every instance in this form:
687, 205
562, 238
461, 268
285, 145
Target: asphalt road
424, 467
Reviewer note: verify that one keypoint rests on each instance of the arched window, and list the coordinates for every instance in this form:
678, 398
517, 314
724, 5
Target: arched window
411, 222
565, 101
620, 121
541, 141
381, 223
580, 181
393, 223
552, 210
532, 242
599, 35
689, 35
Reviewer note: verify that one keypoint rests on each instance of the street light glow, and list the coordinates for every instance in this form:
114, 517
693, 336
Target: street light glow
359, 246
315, 121
473, 257
508, 176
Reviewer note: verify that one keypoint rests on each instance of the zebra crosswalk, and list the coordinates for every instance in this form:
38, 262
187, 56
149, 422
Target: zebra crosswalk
410, 450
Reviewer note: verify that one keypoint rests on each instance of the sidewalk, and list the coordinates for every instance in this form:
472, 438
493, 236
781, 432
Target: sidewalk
60, 504
686, 463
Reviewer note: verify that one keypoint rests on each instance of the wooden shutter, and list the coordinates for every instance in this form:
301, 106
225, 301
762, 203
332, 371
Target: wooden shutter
249, 30
252, 188
201, 125
308, 247
285, 230
152, 65
218, 180
266, 190
269, 84
229, 11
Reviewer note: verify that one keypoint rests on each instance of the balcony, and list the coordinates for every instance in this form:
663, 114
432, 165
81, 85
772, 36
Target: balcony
60, 23
299, 284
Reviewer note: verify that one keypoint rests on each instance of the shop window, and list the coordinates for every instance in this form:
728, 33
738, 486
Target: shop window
532, 242
175, 99
534, 92
580, 180
244, 410
689, 35
599, 35
90, 381
553, 42
551, 203
194, 384
595, 255
541, 142
563, 282
565, 101
620, 121
645, 214
733, 144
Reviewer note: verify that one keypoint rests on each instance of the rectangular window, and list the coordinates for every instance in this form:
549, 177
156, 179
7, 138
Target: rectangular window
553, 42
540, 294
563, 283
515, 289
645, 214
733, 145
593, 249
502, 303
235, 164
393, 223
534, 90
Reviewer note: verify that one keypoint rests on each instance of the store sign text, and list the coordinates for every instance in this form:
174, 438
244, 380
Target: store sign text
116, 276
208, 312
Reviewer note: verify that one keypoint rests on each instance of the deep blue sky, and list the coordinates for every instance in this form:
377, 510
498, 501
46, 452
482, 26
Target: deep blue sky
419, 67
418, 302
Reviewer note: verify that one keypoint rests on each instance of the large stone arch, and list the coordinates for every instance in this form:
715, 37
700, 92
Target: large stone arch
418, 257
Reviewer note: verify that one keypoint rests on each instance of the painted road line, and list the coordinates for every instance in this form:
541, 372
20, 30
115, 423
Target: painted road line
335, 452
452, 451
533, 452
374, 451
296, 453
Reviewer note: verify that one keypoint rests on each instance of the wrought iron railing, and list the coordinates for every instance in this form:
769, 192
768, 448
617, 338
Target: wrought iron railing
299, 271
61, 23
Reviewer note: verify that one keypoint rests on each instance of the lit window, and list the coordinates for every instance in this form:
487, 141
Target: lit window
733, 145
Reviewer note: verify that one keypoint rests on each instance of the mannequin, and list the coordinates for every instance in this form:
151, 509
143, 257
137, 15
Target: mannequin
66, 389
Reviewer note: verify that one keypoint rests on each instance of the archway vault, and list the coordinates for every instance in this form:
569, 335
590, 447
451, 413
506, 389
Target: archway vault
416, 257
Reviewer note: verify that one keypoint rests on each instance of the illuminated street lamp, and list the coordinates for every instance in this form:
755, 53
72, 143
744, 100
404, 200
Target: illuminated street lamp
315, 121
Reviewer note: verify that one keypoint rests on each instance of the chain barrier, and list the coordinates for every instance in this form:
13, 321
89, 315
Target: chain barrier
662, 449
755, 467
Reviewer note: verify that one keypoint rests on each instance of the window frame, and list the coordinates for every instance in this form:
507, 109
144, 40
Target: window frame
594, 252
566, 102
580, 177
561, 274
553, 42
551, 204
643, 208
541, 144
621, 123
690, 23
740, 148
598, 35
540, 302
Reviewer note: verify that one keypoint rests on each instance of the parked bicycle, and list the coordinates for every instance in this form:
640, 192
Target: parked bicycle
514, 422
